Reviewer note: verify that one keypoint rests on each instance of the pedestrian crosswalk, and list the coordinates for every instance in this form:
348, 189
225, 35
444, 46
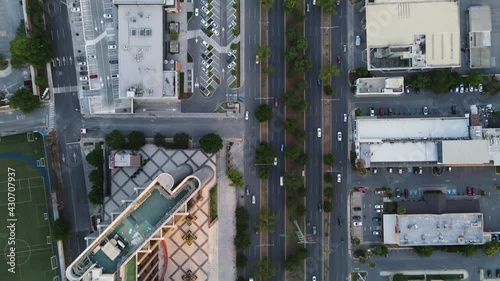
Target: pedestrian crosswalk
65, 89
52, 115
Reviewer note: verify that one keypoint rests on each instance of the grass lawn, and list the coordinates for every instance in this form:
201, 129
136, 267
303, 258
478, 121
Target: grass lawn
24, 182
213, 203
355, 276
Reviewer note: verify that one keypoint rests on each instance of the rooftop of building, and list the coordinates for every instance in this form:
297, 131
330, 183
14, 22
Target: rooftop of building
388, 153
443, 229
374, 129
480, 36
139, 2
141, 53
380, 85
472, 152
418, 43
438, 203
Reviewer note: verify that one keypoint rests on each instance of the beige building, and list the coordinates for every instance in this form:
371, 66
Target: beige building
480, 36
380, 86
412, 34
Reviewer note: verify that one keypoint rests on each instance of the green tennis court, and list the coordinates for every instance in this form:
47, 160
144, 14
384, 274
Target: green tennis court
23, 181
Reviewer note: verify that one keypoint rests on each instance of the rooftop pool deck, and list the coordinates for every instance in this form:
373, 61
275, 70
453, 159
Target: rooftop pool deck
140, 224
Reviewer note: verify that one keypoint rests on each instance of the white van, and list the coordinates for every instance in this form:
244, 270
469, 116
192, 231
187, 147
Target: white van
358, 40
281, 181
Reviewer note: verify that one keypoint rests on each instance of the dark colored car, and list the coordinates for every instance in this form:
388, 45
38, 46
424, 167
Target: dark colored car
93, 76
473, 190
308, 221
381, 111
338, 60
83, 73
376, 219
319, 82
389, 111
356, 217
276, 102
469, 190
489, 273
230, 59
357, 208
81, 58
320, 207
339, 221
398, 193
498, 272
417, 90
406, 193
113, 62
453, 109
205, 57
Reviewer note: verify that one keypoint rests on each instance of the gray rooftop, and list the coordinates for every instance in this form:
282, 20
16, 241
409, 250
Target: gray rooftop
444, 229
139, 2
440, 204
140, 53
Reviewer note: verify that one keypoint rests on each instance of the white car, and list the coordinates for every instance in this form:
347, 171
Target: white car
92, 57
204, 43
232, 24
379, 206
345, 117
111, 47
204, 9
231, 52
204, 63
314, 278
75, 9
357, 223
246, 115
84, 78
379, 210
281, 181
82, 63
205, 24
196, 13
339, 136
253, 199
107, 16
231, 65
339, 178
376, 233
319, 132
216, 32
204, 70
275, 163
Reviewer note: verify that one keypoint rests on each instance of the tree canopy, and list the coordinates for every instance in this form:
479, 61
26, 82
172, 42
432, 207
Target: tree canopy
24, 100
423, 251
328, 159
211, 143
264, 158
181, 141
263, 51
266, 220
327, 206
136, 140
264, 270
159, 140
267, 4
263, 113
236, 178
95, 157
328, 5
399, 277
327, 71
115, 140
35, 50
60, 229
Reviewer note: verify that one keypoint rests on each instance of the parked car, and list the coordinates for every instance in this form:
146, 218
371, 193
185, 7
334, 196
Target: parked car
453, 109
282, 148
345, 117
400, 171
357, 223
417, 90
111, 47
339, 221
204, 9
107, 16
75, 9
256, 59
356, 217
216, 32
389, 111
376, 219
379, 206
480, 88
376, 233
196, 12
82, 63
308, 221
113, 62
489, 272
357, 208
204, 23
469, 190
462, 88
84, 73
339, 136
253, 199
381, 111
425, 110
231, 65
314, 229
407, 194
398, 193
339, 177
204, 43
83, 78
319, 132
372, 111
93, 76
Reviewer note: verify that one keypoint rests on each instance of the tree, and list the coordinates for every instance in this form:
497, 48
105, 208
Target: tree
35, 50
267, 4
136, 140
399, 277
292, 152
328, 5
327, 206
181, 141
468, 250
300, 211
3, 62
372, 264
327, 71
419, 81
293, 181
96, 195
328, 90
295, 100
264, 52
355, 241
328, 178
115, 140
380, 250
60, 229
491, 248
266, 220
290, 124
95, 157
302, 84
291, 53
423, 251
301, 43
41, 82
267, 70
159, 140
328, 193
290, 5
401, 210
236, 178
242, 218
264, 270
263, 113
242, 240
24, 100
211, 143
96, 177
241, 260
234, 46
328, 159
302, 159
362, 72
475, 78
264, 157
358, 112
174, 35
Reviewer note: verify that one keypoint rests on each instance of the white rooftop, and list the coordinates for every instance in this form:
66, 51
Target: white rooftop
444, 229
399, 152
371, 129
384, 86
472, 152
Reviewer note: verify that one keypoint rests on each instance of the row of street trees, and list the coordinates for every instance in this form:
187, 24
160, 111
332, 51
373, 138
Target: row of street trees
440, 81
96, 176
